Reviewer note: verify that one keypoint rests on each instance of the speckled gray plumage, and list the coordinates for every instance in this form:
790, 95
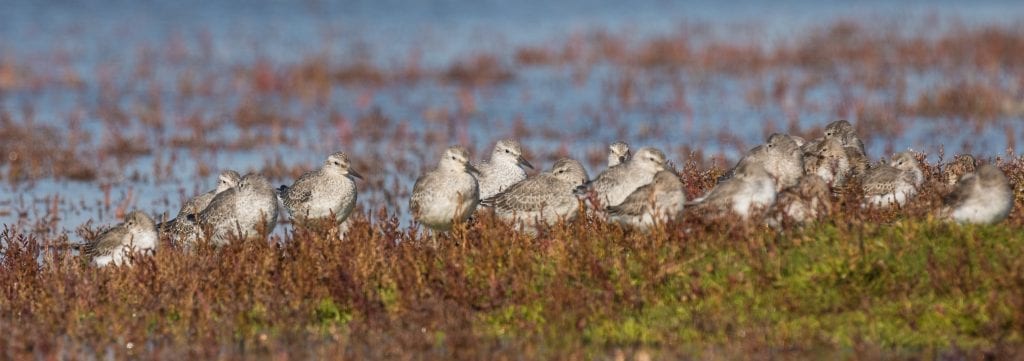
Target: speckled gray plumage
894, 182
809, 200
961, 165
750, 188
226, 180
781, 156
830, 161
660, 201
843, 131
618, 153
183, 227
137, 232
241, 211
329, 190
616, 183
503, 169
545, 198
446, 194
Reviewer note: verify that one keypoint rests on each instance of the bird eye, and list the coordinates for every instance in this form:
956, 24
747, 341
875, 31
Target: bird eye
507, 151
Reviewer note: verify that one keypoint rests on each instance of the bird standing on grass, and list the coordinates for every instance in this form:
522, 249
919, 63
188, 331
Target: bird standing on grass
780, 156
984, 197
545, 198
842, 132
893, 183
137, 233
660, 201
225, 180
616, 183
183, 228
326, 192
504, 169
808, 201
243, 211
750, 189
829, 161
448, 194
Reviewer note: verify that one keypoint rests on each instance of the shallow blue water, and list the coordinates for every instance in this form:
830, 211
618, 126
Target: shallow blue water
103, 36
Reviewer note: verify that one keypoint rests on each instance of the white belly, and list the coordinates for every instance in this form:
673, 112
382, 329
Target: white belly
983, 210
757, 195
900, 196
440, 213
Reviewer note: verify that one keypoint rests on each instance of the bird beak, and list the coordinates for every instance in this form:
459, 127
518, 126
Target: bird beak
523, 161
353, 173
622, 159
472, 170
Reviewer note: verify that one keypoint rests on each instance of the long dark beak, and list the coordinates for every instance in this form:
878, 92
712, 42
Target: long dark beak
353, 173
523, 161
472, 170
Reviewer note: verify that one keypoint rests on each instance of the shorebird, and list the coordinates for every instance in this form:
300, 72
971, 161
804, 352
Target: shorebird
183, 227
780, 156
750, 189
858, 161
840, 130
225, 180
893, 183
660, 201
830, 162
784, 160
447, 194
504, 169
806, 202
962, 164
618, 153
800, 141
616, 183
137, 233
545, 198
984, 197
326, 192
844, 132
243, 211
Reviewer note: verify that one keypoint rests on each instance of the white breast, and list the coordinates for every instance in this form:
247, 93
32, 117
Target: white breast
899, 196
757, 194
984, 208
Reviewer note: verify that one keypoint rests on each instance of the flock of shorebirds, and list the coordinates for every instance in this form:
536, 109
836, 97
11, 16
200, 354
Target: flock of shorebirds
787, 180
